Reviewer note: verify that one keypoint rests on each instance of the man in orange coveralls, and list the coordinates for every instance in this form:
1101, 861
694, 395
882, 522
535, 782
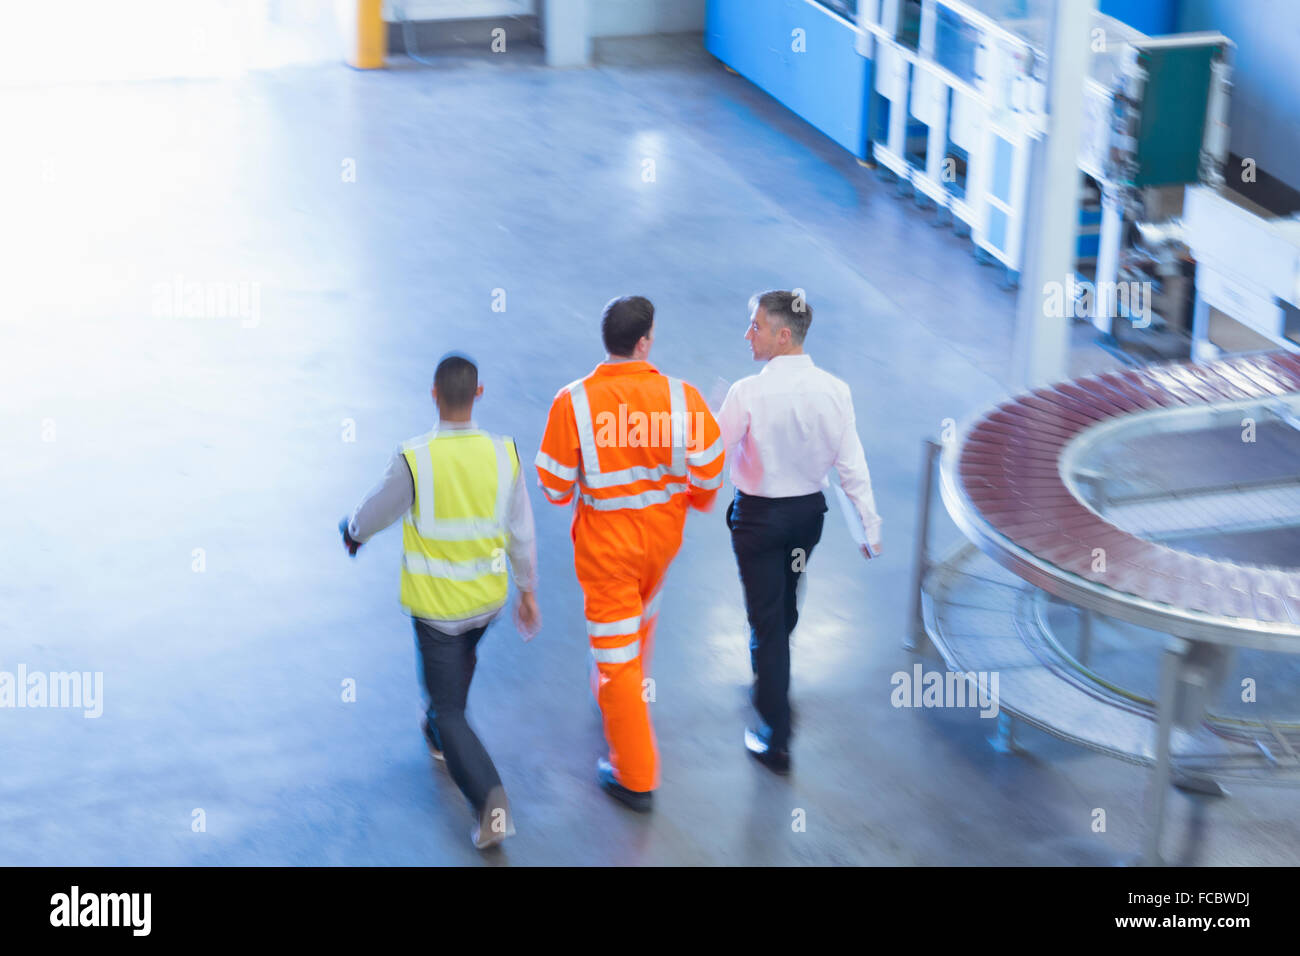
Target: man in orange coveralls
641, 448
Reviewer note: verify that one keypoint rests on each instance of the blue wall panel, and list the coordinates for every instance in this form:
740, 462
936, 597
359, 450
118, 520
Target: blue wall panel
1153, 17
826, 85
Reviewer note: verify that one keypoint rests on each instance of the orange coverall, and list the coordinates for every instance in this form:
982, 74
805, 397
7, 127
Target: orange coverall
638, 448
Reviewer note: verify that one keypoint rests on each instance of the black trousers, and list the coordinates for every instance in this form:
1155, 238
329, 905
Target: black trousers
447, 664
773, 539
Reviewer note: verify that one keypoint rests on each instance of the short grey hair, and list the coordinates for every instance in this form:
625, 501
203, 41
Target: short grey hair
785, 308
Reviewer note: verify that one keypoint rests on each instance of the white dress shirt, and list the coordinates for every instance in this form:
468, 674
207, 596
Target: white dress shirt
395, 494
793, 422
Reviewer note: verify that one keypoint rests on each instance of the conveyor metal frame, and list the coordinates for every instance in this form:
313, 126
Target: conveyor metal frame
1180, 622
1186, 628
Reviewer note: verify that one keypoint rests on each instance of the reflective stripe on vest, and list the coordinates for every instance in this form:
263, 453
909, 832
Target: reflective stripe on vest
591, 475
454, 536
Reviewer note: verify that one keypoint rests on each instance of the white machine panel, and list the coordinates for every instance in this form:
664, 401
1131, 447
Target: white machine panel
966, 122
1238, 301
929, 94
891, 73
1254, 251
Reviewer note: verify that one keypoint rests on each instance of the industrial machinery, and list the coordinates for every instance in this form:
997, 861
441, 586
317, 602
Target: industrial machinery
949, 97
1247, 268
1156, 122
1130, 567
959, 102
959, 94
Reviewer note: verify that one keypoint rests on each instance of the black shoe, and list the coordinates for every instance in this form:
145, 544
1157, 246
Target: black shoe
638, 800
777, 761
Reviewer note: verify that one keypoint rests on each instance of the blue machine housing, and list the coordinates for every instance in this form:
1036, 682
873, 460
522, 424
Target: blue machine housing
830, 84
827, 84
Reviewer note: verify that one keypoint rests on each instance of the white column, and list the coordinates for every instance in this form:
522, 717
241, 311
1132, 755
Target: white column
1108, 246
1042, 340
564, 33
1203, 350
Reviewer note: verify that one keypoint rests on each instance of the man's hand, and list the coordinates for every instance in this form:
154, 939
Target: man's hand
349, 542
866, 553
528, 616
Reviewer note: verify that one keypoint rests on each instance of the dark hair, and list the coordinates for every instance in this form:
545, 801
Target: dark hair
785, 308
625, 322
456, 381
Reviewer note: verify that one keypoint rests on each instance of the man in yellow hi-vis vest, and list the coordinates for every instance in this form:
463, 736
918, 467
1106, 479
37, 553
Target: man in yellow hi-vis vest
465, 508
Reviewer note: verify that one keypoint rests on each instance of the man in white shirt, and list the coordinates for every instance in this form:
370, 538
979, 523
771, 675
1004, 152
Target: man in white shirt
784, 429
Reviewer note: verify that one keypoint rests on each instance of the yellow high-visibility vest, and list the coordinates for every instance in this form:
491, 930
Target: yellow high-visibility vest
454, 537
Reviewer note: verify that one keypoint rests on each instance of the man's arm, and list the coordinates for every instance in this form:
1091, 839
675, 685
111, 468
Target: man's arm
386, 502
851, 464
705, 453
557, 461
733, 418
521, 545
522, 535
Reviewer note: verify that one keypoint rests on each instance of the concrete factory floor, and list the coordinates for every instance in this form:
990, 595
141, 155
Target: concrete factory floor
175, 471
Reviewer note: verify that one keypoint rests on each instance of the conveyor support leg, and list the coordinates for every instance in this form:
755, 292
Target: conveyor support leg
917, 640
1171, 671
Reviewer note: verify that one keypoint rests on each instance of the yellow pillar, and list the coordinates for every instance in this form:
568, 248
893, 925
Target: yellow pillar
366, 45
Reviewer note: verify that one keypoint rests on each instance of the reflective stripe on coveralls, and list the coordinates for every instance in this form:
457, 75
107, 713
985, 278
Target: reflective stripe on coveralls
454, 536
593, 477
617, 655
652, 608
630, 625
586, 437
592, 474
554, 467
702, 458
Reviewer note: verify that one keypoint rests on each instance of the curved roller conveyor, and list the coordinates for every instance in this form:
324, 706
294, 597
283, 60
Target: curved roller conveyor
1018, 486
